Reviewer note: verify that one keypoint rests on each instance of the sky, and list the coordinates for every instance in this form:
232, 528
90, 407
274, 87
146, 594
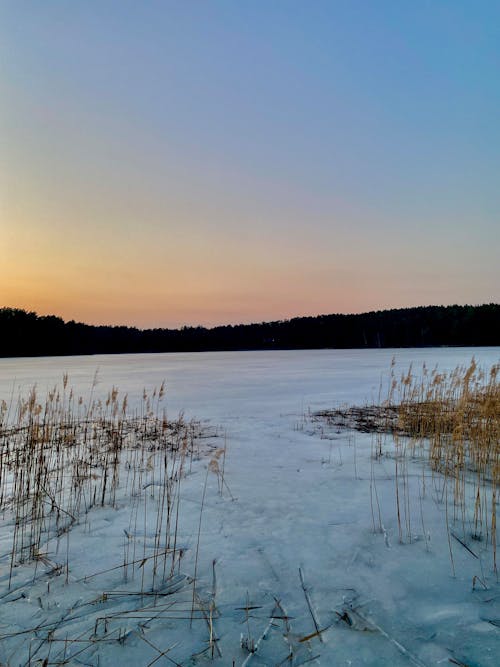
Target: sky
185, 162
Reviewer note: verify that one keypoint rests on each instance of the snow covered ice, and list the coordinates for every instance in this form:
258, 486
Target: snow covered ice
290, 569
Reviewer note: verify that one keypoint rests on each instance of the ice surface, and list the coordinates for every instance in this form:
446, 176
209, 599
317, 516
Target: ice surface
299, 499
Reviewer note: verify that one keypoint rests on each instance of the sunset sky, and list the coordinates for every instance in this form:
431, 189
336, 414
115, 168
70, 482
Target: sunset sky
170, 163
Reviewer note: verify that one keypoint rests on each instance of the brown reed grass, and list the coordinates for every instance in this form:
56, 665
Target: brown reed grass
455, 418
59, 458
64, 459
452, 421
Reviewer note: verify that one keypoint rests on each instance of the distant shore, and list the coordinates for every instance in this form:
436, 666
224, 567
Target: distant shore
26, 334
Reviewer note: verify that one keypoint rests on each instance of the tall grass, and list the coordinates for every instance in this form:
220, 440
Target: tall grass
455, 418
67, 465
60, 458
451, 420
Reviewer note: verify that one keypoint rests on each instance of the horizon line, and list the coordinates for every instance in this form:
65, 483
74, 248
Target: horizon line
245, 324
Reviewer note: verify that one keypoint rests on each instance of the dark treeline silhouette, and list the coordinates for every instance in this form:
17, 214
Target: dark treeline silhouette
25, 333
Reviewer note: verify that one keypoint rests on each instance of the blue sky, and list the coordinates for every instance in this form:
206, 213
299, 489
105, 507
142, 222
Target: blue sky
170, 163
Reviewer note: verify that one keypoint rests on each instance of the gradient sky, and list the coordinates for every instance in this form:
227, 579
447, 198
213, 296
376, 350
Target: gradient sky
170, 163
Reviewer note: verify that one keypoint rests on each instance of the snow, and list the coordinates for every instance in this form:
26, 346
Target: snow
292, 534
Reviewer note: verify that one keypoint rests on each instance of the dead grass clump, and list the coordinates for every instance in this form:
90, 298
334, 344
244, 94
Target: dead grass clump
60, 458
455, 417
66, 463
452, 419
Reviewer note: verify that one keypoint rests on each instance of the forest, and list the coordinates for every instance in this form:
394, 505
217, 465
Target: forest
25, 333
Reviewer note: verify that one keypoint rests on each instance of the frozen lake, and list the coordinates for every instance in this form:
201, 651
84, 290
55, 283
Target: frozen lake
233, 385
296, 499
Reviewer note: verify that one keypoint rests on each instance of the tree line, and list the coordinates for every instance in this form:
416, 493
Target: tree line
24, 333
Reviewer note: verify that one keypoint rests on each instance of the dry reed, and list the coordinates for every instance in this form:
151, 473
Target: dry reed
62, 460
452, 420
